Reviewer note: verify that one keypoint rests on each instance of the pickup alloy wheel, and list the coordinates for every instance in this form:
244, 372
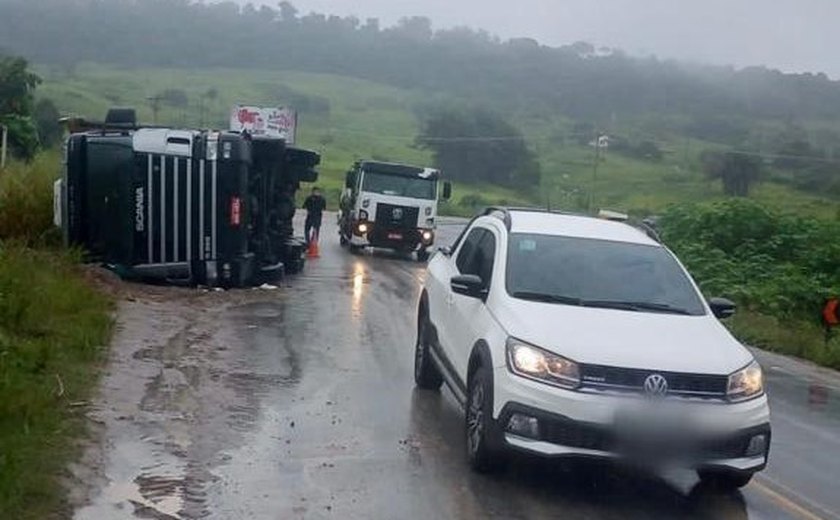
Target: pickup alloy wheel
481, 454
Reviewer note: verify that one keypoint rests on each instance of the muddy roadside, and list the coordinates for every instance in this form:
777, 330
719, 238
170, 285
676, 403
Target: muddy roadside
167, 376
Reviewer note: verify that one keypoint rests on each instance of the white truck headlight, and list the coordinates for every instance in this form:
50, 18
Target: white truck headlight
745, 383
538, 364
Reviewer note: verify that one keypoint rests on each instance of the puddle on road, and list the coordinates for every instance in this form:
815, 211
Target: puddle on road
157, 490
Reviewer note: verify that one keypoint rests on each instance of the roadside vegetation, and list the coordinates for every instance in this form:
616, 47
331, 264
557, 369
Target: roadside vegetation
54, 323
779, 267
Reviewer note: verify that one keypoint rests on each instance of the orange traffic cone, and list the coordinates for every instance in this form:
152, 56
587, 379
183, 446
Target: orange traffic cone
312, 251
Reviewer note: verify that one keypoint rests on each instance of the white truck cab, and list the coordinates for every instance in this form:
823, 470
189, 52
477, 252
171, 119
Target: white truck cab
391, 206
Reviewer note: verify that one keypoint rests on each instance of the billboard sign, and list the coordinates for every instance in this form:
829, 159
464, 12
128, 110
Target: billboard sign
272, 122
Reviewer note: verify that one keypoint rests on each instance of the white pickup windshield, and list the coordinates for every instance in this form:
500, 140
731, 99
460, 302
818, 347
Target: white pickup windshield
399, 185
598, 273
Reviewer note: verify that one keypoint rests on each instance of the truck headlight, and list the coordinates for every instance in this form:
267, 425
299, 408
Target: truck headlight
535, 363
363, 215
745, 383
363, 228
427, 236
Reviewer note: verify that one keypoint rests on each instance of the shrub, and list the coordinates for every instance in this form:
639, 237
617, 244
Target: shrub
26, 199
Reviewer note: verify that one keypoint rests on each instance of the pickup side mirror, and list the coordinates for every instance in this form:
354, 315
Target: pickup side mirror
445, 250
722, 308
468, 285
447, 190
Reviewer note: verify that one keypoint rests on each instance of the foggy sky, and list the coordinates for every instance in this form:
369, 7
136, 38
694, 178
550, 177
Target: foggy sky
792, 35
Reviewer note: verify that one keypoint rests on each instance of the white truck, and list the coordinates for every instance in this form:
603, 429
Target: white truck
391, 206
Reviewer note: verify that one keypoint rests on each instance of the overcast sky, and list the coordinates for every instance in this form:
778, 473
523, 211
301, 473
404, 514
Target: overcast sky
793, 35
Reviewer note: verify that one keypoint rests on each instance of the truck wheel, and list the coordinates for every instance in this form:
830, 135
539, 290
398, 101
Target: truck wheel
426, 373
343, 240
422, 255
725, 480
483, 454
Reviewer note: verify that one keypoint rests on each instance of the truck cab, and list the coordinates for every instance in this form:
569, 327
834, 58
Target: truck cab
391, 206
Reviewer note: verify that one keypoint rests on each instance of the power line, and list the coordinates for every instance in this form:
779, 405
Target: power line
532, 139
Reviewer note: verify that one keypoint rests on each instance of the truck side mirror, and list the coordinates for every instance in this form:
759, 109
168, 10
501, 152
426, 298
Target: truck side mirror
350, 180
447, 190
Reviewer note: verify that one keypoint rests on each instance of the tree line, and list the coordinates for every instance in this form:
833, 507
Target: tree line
577, 80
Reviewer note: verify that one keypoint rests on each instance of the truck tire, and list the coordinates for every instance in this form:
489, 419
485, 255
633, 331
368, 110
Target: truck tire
422, 255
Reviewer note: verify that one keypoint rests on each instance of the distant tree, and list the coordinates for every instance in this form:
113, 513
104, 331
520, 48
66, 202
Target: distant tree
371, 25
738, 172
416, 27
288, 12
478, 145
17, 94
175, 98
46, 120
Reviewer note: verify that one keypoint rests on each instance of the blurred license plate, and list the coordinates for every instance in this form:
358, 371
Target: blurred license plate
651, 422
395, 236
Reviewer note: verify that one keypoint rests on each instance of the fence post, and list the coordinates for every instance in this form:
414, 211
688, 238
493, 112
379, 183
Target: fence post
3, 146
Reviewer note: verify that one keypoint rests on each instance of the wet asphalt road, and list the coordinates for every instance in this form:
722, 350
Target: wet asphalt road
300, 403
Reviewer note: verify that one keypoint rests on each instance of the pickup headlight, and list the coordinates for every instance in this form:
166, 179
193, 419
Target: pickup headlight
535, 363
746, 383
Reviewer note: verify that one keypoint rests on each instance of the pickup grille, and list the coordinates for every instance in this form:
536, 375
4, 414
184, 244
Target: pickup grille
629, 380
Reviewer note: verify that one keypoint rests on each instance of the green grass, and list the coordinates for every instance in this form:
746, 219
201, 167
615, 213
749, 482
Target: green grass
53, 329
350, 119
26, 200
791, 337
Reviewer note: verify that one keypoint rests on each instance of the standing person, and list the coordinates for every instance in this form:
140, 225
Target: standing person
315, 204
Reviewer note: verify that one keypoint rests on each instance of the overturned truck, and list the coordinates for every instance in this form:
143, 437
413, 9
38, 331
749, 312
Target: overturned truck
184, 206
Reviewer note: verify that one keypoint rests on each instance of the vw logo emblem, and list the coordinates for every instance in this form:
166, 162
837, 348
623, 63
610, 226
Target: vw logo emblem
398, 213
656, 385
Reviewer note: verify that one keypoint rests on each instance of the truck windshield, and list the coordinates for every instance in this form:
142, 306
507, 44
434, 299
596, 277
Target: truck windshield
399, 185
598, 273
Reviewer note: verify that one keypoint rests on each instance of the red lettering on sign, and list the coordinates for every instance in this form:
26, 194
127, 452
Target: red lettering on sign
246, 117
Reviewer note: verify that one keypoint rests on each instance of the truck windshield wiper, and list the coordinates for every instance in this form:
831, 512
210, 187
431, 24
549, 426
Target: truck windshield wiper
547, 298
636, 306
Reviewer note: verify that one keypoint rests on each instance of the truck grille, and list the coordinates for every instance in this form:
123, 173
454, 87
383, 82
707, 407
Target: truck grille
605, 378
396, 217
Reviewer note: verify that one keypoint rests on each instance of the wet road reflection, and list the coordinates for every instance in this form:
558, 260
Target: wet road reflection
300, 403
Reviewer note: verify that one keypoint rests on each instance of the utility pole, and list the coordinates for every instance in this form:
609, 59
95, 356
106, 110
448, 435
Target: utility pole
595, 171
154, 103
4, 145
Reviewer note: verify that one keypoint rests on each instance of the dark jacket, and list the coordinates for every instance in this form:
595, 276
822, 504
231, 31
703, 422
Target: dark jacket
314, 206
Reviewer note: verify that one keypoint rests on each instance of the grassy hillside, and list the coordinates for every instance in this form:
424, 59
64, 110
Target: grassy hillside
347, 119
